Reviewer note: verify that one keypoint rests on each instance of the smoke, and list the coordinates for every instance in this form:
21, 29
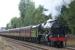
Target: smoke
48, 24
55, 9
53, 6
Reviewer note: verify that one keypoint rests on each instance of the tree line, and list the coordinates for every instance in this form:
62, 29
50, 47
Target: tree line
68, 15
29, 15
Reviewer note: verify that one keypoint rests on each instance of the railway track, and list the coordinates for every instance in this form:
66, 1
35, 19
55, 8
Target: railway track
33, 46
24, 44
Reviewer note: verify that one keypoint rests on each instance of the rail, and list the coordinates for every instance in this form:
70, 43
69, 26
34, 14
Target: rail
33, 46
28, 45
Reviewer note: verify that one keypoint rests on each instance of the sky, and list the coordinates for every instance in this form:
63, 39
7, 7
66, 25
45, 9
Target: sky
9, 8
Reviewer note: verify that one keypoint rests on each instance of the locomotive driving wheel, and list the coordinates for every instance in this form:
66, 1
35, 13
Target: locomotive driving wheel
60, 44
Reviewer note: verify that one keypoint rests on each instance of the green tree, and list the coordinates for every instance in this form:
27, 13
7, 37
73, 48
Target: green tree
26, 8
69, 15
38, 16
29, 15
14, 22
8, 26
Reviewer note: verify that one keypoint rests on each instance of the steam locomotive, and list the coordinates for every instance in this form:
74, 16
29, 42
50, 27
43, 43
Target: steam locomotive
56, 33
53, 36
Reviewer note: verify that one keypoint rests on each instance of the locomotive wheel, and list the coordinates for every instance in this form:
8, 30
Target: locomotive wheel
51, 43
60, 44
55, 43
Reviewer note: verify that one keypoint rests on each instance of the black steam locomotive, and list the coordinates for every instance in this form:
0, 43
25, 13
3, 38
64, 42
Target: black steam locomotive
55, 34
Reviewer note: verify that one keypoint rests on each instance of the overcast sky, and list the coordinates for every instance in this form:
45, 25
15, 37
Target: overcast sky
9, 8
